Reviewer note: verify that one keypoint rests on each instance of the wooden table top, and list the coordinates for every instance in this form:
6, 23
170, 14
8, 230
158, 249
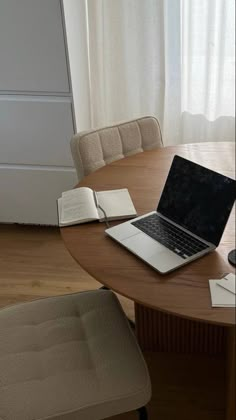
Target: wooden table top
184, 292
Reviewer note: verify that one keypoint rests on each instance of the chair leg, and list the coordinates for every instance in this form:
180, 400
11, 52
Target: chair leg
142, 413
104, 288
131, 323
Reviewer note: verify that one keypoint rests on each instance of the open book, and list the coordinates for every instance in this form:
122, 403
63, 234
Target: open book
82, 205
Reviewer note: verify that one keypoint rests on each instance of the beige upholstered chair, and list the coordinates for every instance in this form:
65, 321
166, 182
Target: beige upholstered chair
71, 357
96, 148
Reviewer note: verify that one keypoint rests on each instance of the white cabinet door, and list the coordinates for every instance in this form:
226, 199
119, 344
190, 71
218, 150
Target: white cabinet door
35, 131
29, 194
32, 46
35, 158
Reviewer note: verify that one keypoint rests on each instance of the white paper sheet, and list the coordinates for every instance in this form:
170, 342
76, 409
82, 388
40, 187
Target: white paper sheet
220, 297
228, 282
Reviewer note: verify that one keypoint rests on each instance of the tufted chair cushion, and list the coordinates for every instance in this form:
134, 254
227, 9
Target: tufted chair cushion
96, 148
69, 358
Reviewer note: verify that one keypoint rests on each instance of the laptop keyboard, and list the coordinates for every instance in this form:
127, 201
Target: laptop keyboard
172, 237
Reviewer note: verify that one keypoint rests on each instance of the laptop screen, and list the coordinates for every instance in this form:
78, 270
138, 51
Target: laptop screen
197, 199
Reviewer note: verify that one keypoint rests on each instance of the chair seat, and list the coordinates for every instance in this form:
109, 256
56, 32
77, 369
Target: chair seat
68, 358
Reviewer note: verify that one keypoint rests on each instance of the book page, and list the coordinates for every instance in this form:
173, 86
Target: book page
78, 206
59, 209
116, 203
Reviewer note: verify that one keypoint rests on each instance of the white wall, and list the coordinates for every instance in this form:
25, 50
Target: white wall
75, 22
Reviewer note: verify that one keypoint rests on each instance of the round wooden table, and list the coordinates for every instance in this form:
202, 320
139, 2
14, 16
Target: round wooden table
172, 312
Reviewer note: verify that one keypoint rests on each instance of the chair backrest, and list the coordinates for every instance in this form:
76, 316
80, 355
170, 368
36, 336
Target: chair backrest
96, 148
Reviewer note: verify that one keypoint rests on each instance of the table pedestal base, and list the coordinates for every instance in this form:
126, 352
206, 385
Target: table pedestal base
231, 388
170, 333
162, 332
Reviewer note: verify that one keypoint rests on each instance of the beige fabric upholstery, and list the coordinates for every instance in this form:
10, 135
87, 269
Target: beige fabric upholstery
96, 148
71, 357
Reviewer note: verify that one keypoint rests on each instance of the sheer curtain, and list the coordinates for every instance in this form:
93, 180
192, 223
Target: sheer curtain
208, 70
170, 58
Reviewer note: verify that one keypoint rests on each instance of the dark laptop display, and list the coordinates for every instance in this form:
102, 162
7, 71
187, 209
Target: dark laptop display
197, 199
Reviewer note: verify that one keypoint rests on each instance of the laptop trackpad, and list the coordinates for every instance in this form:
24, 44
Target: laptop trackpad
143, 245
153, 253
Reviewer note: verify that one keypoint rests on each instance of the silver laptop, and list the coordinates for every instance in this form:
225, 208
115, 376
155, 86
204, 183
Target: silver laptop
189, 221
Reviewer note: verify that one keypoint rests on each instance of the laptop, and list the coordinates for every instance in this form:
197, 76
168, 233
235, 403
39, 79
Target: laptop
189, 221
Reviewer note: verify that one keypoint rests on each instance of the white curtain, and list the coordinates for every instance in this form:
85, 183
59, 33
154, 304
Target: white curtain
173, 59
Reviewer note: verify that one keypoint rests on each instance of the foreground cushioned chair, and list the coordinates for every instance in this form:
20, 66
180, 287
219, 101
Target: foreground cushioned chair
96, 148
71, 357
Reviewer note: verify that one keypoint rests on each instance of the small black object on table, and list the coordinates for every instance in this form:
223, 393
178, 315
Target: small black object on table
232, 257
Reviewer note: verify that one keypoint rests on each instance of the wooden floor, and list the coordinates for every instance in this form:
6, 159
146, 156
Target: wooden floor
34, 263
